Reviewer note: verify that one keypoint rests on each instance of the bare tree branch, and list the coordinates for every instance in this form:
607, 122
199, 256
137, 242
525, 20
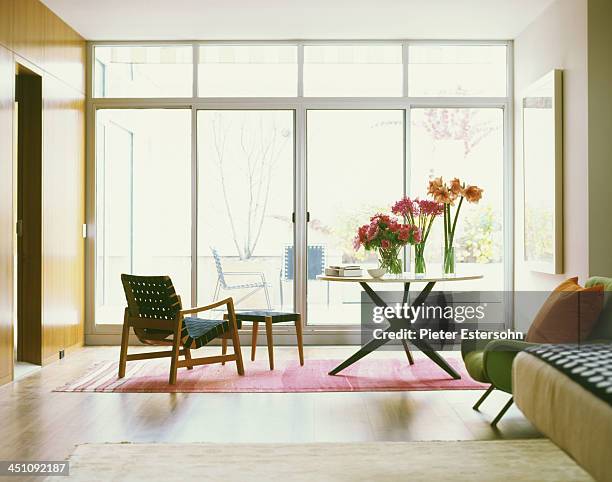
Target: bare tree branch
259, 151
220, 150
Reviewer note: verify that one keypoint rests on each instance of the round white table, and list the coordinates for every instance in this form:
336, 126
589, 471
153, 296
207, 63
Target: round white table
397, 324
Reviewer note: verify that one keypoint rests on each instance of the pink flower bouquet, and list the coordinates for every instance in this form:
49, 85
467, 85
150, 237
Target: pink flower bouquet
387, 235
420, 213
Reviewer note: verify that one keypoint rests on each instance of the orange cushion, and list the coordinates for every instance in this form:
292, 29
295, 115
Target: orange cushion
568, 315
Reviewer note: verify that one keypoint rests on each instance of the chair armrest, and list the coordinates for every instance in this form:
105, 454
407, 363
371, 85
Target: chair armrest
498, 358
198, 309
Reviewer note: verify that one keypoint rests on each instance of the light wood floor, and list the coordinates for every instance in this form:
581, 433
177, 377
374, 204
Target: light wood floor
39, 424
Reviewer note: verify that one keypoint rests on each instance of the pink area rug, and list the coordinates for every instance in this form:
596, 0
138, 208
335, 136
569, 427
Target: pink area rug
367, 375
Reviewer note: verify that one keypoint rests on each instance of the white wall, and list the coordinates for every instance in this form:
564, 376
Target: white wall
557, 39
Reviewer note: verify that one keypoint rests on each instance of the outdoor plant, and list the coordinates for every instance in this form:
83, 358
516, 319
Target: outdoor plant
481, 238
448, 194
421, 213
388, 236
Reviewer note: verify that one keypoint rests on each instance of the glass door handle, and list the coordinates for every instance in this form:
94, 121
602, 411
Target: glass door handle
307, 217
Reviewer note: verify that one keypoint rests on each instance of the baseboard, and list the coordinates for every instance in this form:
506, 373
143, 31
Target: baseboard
67, 351
6, 379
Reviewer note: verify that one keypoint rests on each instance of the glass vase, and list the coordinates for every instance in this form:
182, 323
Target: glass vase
419, 260
389, 259
449, 261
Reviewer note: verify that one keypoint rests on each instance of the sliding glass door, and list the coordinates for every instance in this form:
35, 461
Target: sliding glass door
355, 165
467, 143
245, 207
357, 162
143, 202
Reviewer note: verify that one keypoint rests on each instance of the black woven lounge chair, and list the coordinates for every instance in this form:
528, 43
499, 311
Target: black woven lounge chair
155, 313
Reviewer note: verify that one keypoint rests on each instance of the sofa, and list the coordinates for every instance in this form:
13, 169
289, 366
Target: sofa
491, 361
567, 397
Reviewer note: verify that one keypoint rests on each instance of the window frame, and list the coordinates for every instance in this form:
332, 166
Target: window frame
100, 334
92, 61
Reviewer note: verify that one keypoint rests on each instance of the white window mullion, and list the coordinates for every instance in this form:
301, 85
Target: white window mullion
300, 67
195, 69
405, 64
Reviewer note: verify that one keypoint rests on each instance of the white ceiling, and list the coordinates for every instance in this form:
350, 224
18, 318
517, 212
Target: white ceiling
297, 19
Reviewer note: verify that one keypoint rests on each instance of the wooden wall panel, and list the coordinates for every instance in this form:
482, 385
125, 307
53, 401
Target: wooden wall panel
64, 52
30, 31
6, 22
63, 217
7, 76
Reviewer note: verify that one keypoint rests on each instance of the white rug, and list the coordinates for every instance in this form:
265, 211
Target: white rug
506, 460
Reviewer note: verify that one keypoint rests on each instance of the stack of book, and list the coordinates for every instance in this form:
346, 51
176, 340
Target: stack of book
344, 271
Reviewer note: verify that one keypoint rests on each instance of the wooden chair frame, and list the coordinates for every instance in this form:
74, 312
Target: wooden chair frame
176, 326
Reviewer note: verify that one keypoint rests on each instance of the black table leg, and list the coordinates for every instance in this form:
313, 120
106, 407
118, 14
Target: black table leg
407, 350
374, 344
404, 342
366, 349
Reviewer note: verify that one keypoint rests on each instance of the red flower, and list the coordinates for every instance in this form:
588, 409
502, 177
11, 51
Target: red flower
380, 218
372, 231
416, 234
404, 233
362, 233
430, 208
384, 232
405, 207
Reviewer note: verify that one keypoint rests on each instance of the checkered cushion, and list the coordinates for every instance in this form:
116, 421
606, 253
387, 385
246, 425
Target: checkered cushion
589, 365
200, 331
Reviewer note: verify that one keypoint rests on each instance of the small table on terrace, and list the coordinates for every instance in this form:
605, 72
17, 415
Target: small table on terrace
395, 324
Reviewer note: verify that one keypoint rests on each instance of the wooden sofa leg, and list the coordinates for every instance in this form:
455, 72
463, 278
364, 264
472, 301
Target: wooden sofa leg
125, 337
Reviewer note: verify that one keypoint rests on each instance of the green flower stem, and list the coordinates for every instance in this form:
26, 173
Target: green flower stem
419, 258
452, 233
446, 226
389, 260
426, 233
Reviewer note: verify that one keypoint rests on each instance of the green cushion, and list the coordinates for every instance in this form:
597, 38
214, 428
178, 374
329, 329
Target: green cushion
474, 364
599, 280
498, 358
603, 326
